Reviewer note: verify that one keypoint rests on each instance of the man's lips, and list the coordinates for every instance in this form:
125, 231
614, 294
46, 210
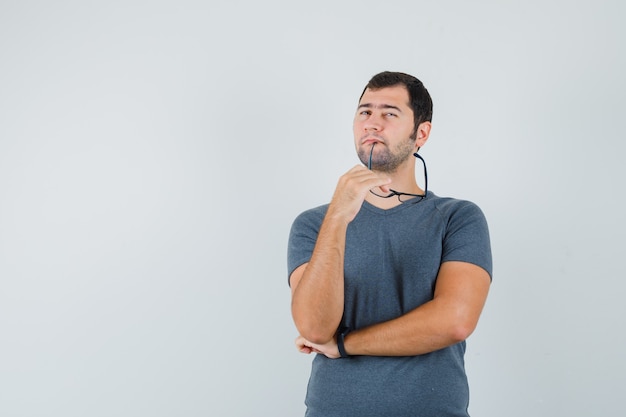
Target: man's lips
368, 140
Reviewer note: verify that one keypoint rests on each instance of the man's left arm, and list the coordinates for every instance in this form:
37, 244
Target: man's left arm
449, 318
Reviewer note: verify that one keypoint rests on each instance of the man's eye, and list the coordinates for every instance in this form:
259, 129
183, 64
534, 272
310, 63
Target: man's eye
391, 115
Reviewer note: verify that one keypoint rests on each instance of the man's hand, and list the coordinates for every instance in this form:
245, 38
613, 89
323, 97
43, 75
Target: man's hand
351, 190
330, 349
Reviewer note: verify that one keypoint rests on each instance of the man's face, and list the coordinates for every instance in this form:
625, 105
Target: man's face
384, 119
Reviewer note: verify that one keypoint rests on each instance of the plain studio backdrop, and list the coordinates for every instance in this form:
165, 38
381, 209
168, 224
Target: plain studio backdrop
154, 154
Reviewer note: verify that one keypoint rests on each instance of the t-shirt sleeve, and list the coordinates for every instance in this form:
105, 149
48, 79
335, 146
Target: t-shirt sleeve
302, 238
467, 237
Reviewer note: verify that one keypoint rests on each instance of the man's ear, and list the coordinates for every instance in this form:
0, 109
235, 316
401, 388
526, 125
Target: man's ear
422, 134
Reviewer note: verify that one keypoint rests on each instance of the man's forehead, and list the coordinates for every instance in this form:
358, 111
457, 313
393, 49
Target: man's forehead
387, 96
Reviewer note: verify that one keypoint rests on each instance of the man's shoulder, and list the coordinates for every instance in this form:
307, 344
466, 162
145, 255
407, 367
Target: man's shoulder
313, 216
314, 212
451, 205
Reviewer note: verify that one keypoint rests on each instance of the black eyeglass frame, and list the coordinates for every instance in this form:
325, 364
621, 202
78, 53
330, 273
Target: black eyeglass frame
399, 194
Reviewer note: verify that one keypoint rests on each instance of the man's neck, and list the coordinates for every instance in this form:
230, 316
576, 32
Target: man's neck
402, 181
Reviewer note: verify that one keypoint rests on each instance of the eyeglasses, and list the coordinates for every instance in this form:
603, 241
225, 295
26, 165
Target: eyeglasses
416, 198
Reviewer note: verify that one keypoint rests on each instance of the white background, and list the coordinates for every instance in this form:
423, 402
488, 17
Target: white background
153, 155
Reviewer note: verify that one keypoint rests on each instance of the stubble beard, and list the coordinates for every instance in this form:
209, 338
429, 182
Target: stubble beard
385, 159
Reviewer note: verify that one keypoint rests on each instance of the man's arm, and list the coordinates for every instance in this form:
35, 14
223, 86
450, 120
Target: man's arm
317, 287
450, 317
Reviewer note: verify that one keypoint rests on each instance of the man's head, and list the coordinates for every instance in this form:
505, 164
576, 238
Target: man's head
394, 112
419, 99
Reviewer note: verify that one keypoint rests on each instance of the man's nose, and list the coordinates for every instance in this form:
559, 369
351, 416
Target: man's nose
373, 123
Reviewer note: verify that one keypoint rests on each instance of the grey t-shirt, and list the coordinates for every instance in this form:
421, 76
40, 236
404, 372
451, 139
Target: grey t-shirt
391, 263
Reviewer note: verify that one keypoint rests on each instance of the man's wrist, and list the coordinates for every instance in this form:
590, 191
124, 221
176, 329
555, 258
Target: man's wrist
341, 335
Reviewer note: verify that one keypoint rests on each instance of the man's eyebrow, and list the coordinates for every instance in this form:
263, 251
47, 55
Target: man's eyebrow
380, 106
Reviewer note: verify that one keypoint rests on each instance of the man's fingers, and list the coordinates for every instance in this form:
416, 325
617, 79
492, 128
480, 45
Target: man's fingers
351, 191
360, 176
301, 345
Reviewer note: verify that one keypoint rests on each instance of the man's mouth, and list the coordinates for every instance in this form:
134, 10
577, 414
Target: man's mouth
368, 140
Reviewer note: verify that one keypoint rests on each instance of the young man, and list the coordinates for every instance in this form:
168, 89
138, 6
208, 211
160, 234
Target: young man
388, 280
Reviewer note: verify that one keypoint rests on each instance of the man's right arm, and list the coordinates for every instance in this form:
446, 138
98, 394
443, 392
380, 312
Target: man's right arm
317, 287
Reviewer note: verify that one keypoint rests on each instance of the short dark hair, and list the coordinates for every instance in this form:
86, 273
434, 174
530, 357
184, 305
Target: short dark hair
419, 99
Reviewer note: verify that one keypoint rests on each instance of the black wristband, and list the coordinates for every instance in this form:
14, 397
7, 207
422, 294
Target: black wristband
340, 340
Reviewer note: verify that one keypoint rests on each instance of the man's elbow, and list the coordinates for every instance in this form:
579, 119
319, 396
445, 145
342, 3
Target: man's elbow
316, 328
315, 334
462, 327
313, 329
460, 332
